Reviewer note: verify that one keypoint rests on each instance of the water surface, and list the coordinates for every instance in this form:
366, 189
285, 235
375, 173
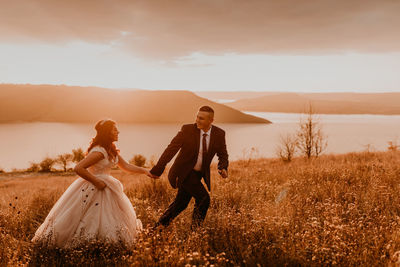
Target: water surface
22, 143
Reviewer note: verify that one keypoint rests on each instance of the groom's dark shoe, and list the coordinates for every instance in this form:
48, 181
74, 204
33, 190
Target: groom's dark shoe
157, 228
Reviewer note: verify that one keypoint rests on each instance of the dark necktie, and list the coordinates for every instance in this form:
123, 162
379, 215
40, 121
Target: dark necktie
204, 151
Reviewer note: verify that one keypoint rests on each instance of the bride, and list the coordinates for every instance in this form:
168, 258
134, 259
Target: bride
94, 207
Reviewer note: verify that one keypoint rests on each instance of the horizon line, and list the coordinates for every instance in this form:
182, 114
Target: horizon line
205, 91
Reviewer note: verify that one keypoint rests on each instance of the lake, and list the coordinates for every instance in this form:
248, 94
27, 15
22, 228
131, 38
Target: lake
22, 143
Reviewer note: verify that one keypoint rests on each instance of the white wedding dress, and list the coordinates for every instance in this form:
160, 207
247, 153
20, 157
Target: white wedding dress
84, 213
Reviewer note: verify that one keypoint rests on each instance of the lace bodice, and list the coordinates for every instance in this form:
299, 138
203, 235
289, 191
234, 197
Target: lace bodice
103, 166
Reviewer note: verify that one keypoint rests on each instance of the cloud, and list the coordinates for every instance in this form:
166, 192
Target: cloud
173, 29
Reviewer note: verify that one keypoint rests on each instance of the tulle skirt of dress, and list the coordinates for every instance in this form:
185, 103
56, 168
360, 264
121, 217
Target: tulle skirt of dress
84, 213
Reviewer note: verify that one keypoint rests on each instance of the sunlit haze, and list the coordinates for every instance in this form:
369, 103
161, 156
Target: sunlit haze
105, 66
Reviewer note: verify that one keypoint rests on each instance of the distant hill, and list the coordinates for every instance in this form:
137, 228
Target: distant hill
233, 95
324, 103
49, 103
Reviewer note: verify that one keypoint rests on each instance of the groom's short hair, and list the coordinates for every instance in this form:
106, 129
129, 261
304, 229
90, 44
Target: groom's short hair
207, 109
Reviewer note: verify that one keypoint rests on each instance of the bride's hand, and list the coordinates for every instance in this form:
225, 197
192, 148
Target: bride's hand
100, 185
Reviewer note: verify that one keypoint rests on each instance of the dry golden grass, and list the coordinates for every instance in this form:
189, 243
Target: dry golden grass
340, 210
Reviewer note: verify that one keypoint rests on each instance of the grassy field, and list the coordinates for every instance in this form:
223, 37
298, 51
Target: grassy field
334, 210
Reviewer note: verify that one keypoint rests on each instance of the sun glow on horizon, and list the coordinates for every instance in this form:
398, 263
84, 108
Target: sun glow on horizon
88, 64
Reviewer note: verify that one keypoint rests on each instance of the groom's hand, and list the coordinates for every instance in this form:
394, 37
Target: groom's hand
223, 173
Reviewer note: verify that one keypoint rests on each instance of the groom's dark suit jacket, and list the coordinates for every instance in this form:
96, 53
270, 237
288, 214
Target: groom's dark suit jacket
188, 142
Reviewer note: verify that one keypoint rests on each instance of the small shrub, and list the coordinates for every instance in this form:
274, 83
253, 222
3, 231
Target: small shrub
64, 159
287, 147
47, 164
138, 160
310, 139
77, 154
34, 167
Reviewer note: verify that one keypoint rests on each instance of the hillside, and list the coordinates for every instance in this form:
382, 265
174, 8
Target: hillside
49, 103
233, 95
336, 210
324, 103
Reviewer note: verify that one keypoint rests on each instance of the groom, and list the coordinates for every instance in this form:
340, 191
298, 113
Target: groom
198, 143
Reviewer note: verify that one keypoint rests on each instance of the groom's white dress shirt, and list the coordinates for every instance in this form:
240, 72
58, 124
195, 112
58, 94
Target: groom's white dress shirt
197, 167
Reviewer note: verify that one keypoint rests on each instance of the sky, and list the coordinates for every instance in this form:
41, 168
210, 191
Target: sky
203, 45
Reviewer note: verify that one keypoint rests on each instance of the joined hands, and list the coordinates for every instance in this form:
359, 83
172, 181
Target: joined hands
148, 173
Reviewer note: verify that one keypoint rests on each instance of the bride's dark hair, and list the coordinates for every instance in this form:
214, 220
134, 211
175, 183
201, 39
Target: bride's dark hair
103, 138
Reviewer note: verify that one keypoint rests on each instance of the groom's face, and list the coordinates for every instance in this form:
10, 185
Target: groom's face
204, 120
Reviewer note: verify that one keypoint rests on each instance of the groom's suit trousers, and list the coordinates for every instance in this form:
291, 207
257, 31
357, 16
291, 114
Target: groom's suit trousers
191, 187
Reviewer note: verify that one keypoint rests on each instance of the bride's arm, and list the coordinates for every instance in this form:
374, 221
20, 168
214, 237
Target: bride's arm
132, 168
89, 160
